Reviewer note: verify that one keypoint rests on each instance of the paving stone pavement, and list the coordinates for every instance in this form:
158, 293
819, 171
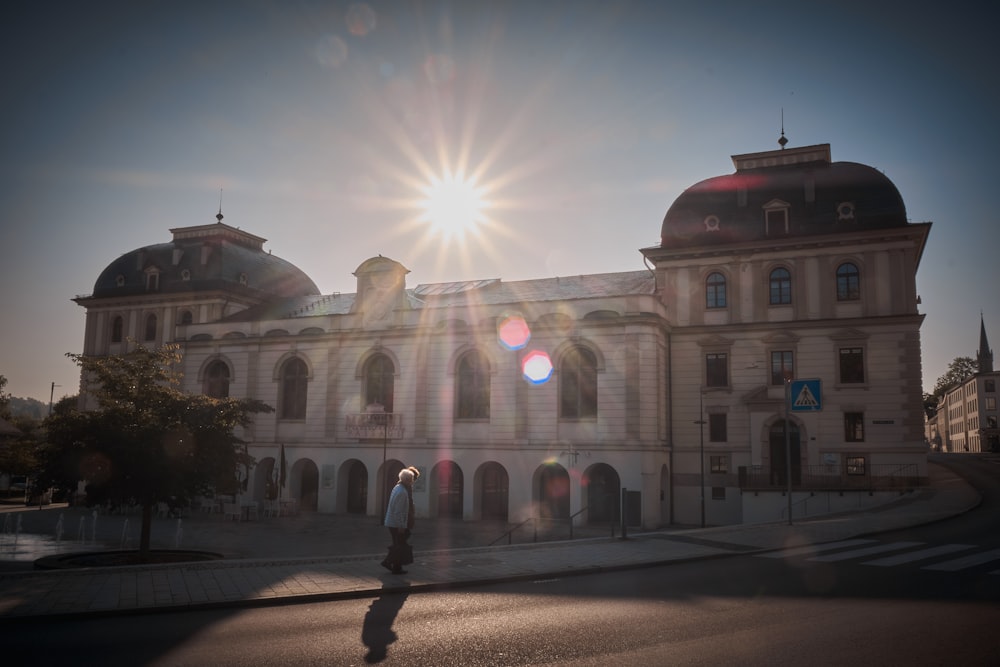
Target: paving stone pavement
311, 557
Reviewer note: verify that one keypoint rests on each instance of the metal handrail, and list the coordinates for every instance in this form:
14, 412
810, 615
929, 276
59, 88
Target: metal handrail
535, 520
510, 532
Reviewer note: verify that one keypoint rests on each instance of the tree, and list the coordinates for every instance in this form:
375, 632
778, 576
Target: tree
959, 370
146, 442
4, 398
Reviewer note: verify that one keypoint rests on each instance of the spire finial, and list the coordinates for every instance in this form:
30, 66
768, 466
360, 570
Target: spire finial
782, 140
219, 216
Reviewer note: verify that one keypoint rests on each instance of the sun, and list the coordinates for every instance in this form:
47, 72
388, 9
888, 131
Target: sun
454, 205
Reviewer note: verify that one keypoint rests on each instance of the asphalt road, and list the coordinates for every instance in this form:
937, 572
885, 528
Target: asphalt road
913, 597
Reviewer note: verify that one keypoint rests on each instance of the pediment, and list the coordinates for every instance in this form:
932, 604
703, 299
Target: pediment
849, 334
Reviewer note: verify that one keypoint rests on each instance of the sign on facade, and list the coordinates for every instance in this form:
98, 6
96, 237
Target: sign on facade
806, 395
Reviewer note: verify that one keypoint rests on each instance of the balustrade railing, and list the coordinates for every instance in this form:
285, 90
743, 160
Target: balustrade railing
375, 425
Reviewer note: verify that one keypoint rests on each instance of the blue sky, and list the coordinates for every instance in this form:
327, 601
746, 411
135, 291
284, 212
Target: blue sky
581, 121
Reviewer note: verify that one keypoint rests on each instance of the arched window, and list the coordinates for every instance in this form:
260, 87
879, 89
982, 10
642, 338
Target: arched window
216, 382
380, 378
473, 391
780, 287
715, 291
848, 282
294, 385
117, 329
150, 333
578, 384
187, 317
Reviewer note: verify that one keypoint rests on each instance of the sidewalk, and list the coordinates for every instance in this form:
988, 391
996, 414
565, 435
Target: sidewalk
278, 580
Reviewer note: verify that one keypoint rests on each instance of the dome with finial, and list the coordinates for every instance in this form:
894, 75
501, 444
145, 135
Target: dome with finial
202, 258
816, 196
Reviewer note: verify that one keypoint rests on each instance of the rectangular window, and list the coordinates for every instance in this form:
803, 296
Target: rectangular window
854, 426
716, 370
855, 465
718, 493
717, 428
781, 367
852, 365
776, 221
991, 403
718, 464
991, 386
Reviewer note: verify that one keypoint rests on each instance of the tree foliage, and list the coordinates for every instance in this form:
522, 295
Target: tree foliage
146, 442
959, 370
4, 398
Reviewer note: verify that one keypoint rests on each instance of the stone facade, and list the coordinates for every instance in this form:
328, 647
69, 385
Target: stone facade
667, 382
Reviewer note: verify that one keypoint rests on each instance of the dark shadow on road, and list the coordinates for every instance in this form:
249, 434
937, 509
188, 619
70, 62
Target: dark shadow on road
377, 633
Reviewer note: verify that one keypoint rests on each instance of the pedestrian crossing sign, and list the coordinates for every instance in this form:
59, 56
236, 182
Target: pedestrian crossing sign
805, 395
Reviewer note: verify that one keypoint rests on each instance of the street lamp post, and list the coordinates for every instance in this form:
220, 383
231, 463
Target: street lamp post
384, 418
52, 392
701, 449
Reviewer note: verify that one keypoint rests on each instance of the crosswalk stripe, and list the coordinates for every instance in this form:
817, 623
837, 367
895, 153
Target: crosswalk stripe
922, 554
857, 553
966, 561
813, 549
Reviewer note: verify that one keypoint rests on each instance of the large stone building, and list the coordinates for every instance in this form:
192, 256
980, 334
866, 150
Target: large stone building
668, 382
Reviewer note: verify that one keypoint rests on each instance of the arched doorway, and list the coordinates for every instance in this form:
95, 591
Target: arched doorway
494, 488
553, 492
603, 493
450, 488
777, 449
357, 488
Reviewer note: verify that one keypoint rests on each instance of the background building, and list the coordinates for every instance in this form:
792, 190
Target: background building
967, 415
668, 382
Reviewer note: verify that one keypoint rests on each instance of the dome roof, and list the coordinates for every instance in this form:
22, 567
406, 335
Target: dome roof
819, 196
204, 258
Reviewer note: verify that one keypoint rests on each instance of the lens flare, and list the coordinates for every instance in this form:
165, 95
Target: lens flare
513, 332
536, 367
360, 19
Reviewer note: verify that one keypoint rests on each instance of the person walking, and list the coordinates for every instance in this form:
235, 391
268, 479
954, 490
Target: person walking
399, 518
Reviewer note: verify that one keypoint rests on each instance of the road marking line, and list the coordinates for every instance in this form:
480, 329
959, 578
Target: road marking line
923, 554
966, 561
857, 553
813, 549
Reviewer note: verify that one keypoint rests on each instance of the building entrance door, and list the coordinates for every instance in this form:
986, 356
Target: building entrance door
779, 473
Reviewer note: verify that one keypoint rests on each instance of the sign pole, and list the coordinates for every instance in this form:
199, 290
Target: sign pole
788, 445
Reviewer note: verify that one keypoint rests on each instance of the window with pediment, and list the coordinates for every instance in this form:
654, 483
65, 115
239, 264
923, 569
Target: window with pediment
380, 381
294, 389
150, 330
717, 369
578, 384
216, 382
852, 365
473, 390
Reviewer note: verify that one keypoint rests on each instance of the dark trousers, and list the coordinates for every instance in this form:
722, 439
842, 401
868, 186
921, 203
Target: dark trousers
399, 537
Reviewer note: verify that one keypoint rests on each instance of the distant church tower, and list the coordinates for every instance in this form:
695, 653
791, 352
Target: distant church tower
985, 354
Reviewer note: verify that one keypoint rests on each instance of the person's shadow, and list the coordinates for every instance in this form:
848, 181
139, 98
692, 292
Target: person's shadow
377, 632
